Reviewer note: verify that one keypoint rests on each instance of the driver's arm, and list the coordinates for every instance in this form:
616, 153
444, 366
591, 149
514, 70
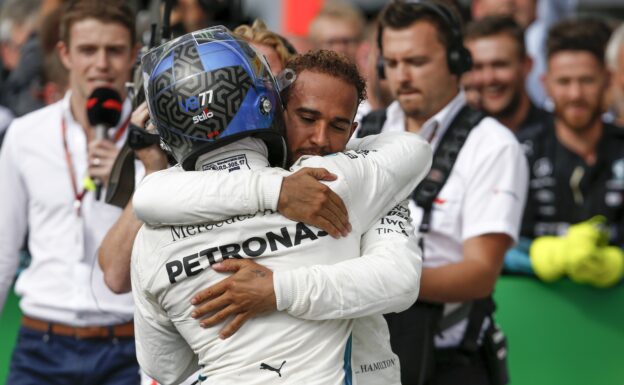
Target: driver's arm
174, 196
385, 279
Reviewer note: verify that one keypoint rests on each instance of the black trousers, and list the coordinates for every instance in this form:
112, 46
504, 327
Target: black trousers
454, 367
412, 338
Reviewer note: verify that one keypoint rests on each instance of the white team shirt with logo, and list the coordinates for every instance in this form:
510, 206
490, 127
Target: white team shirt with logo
170, 264
485, 192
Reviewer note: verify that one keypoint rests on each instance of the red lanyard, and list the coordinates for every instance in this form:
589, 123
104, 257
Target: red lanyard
78, 196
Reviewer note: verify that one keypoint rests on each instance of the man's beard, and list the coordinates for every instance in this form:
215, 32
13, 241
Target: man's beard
412, 110
576, 125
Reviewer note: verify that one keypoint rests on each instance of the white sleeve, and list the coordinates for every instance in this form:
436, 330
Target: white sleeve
385, 279
14, 212
161, 351
381, 172
175, 197
496, 193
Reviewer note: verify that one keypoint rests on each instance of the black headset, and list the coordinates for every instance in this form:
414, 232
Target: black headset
457, 55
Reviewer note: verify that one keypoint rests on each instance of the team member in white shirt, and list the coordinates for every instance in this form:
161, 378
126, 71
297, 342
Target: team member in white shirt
164, 274
476, 216
69, 314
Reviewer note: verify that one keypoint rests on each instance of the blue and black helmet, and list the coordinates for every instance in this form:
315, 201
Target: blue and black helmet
209, 88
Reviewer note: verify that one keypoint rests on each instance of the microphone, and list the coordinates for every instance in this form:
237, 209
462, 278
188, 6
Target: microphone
104, 110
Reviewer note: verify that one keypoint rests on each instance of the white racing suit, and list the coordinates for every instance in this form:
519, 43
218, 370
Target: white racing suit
170, 264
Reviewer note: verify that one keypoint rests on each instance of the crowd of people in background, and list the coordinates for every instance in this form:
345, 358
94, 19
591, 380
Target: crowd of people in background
522, 102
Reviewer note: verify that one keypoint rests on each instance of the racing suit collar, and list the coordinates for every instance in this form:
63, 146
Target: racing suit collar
248, 153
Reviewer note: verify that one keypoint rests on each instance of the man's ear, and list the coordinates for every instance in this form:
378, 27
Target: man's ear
353, 127
63, 52
608, 77
135, 51
527, 66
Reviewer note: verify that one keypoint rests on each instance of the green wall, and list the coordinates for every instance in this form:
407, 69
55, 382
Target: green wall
562, 333
9, 323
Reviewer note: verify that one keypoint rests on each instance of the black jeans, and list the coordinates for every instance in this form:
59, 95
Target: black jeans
455, 367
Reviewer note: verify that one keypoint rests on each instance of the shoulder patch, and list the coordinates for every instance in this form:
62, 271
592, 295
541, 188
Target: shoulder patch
232, 163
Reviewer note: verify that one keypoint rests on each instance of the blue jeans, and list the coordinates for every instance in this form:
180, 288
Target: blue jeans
41, 358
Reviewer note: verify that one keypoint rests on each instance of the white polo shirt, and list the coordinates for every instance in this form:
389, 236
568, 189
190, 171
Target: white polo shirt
485, 192
64, 282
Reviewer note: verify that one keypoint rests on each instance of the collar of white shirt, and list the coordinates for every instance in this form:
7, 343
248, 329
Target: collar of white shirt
434, 127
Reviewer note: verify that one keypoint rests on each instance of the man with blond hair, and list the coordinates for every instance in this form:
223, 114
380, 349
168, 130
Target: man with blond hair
70, 316
275, 48
338, 27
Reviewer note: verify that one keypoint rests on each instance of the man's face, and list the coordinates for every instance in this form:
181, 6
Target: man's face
417, 70
99, 55
319, 115
192, 15
498, 73
523, 11
576, 81
337, 35
10, 49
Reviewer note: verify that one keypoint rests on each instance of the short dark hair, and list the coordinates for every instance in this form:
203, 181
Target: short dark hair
329, 63
107, 11
497, 25
582, 34
400, 14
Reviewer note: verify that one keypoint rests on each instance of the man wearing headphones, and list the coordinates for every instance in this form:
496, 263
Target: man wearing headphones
472, 212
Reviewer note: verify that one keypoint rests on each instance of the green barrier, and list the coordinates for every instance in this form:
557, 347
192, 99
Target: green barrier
9, 324
562, 333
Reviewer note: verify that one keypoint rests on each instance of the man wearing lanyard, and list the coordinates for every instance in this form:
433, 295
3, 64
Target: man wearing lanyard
475, 217
70, 316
